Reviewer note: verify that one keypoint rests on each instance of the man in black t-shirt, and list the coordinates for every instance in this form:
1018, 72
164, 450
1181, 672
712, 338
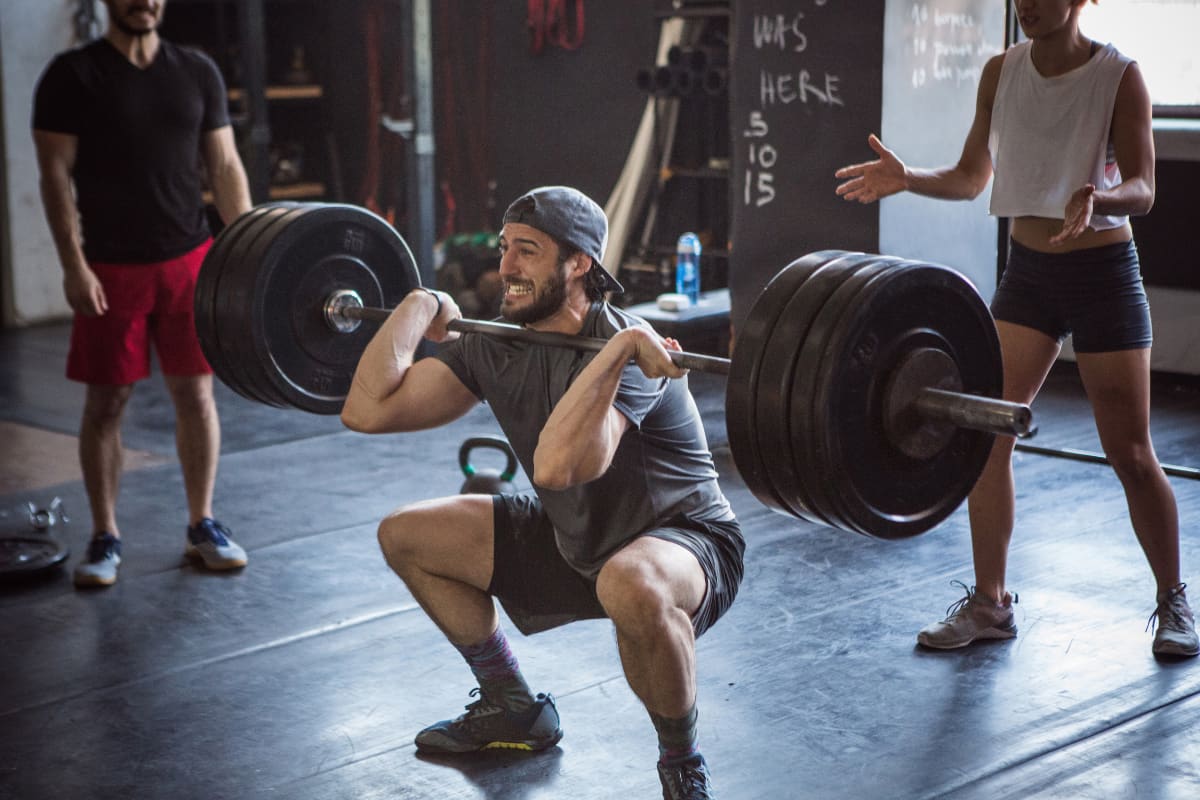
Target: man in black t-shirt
628, 521
121, 126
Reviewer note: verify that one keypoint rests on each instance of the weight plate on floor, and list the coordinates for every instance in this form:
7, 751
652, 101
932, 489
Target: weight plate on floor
742, 385
878, 488
27, 555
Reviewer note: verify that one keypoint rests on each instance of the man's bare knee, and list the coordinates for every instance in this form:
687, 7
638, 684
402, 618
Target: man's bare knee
399, 538
192, 396
635, 596
449, 537
105, 405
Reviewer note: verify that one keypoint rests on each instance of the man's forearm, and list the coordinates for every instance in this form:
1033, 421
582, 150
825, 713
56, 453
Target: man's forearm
62, 215
390, 352
231, 190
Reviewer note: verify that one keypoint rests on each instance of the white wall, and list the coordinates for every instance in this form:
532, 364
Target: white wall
31, 33
933, 53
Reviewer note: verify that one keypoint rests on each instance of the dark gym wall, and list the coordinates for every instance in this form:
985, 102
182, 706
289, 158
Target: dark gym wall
568, 116
1164, 235
347, 104
806, 88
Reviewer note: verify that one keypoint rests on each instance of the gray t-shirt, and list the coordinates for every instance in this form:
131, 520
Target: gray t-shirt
662, 468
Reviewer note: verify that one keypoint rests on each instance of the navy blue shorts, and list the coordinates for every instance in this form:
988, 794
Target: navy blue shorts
540, 590
1096, 295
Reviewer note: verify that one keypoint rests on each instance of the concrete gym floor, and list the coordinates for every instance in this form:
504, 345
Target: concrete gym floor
307, 674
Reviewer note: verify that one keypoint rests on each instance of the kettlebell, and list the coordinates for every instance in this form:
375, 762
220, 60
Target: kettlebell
487, 481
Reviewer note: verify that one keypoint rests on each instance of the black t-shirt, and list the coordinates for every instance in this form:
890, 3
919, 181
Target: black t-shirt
138, 165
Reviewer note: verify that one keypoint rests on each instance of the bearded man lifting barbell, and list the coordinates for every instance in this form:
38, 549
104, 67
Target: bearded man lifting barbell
626, 520
862, 395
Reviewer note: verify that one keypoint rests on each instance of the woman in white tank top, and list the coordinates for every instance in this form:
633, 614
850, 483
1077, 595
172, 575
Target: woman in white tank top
1065, 126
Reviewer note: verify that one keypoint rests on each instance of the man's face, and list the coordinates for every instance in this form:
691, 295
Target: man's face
535, 285
135, 17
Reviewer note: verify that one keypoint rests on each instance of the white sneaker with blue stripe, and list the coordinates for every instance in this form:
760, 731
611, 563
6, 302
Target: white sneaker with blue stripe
210, 541
99, 566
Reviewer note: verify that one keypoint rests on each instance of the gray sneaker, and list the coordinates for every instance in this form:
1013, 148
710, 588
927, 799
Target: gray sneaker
99, 566
970, 619
686, 780
211, 542
1176, 634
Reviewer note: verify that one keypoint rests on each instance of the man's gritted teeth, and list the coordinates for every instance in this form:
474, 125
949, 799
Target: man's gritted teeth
517, 289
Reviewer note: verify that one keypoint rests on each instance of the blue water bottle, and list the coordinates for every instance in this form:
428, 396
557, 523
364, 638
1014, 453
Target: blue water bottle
687, 267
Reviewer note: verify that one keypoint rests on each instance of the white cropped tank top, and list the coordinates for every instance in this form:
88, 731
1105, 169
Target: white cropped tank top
1050, 136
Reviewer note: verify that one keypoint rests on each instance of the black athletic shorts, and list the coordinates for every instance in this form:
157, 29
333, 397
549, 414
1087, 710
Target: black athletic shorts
539, 590
1094, 294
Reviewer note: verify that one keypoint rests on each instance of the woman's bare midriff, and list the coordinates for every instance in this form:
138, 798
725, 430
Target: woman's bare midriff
1035, 233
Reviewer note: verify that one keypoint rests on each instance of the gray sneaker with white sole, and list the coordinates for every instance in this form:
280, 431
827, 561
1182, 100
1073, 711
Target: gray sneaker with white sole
973, 618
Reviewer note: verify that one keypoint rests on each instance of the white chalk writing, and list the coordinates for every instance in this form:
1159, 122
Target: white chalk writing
761, 156
784, 84
783, 89
948, 47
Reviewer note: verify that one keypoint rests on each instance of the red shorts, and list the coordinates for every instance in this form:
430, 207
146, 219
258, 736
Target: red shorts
145, 302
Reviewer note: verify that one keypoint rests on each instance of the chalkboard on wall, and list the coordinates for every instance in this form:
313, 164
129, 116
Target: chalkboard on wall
805, 90
934, 52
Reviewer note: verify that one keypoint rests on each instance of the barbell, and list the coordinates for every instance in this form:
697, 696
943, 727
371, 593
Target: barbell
861, 393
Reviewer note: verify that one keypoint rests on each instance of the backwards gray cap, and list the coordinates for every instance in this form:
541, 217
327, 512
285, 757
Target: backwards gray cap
571, 216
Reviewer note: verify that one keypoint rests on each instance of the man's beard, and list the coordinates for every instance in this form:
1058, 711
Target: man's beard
124, 27
546, 302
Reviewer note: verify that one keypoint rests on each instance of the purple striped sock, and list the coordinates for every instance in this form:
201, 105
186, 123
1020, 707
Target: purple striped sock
497, 670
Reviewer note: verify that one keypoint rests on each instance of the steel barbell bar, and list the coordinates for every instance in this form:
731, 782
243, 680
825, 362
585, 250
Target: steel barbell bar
344, 310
